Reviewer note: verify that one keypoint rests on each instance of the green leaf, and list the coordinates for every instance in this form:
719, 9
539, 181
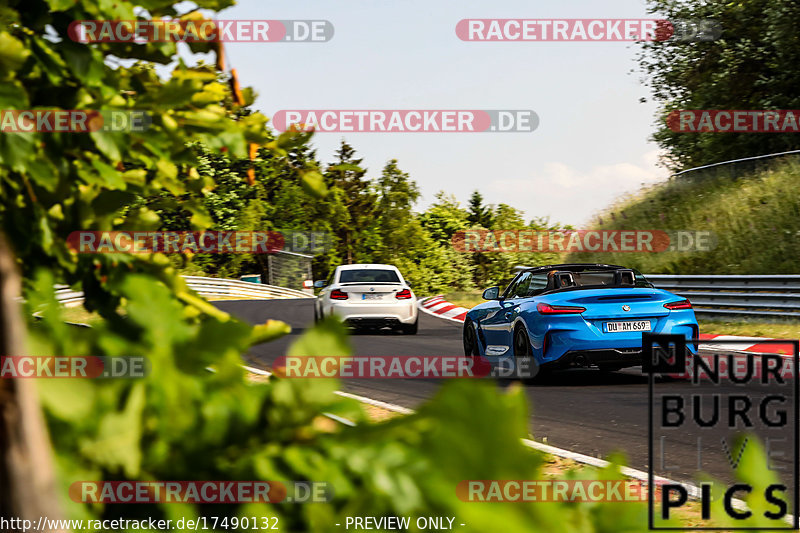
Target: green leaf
313, 183
268, 331
255, 128
135, 176
154, 307
68, 399
200, 219
84, 62
107, 144
212, 93
49, 61
43, 173
110, 201
343, 167
167, 169
60, 5
293, 138
16, 149
12, 53
13, 95
328, 337
143, 219
111, 177
117, 446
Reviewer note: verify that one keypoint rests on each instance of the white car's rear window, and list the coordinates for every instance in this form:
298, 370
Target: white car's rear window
372, 275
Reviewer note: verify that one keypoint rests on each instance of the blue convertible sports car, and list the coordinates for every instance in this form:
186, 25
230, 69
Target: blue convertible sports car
575, 315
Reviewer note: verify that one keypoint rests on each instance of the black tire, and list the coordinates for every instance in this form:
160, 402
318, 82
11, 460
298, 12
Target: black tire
470, 340
410, 329
316, 315
522, 345
522, 348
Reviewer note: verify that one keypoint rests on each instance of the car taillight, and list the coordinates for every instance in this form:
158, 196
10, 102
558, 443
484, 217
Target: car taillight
547, 309
680, 304
336, 294
405, 294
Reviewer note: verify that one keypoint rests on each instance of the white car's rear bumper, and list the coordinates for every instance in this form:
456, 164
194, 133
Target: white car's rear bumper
404, 312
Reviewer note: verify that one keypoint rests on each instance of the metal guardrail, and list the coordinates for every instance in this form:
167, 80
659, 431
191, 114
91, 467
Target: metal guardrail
241, 289
745, 295
733, 161
209, 287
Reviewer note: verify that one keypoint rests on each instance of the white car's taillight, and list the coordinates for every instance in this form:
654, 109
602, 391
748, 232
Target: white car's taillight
405, 294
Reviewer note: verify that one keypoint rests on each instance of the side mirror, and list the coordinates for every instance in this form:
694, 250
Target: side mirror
492, 293
319, 284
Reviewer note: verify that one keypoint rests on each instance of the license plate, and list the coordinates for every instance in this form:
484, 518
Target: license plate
371, 296
628, 325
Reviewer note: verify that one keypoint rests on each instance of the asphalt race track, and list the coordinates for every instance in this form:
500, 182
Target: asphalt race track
584, 411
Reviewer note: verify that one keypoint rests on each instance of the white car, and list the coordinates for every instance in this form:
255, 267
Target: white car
368, 296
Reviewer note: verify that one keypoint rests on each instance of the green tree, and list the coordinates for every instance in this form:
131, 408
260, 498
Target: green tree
752, 66
444, 218
57, 183
397, 226
360, 203
480, 214
481, 217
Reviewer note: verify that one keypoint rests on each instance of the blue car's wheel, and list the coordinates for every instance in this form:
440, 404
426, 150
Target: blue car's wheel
522, 345
531, 372
470, 340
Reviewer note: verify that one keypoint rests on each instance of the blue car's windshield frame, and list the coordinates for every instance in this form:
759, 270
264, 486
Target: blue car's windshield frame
639, 280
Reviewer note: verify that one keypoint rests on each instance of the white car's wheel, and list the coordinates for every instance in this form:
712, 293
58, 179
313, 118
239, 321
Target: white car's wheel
410, 329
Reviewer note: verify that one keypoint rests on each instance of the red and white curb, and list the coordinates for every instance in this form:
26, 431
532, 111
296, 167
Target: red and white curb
747, 344
438, 306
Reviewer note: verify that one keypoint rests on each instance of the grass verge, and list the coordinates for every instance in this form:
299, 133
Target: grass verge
754, 216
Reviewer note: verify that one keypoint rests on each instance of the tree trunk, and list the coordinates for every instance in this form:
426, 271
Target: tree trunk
27, 480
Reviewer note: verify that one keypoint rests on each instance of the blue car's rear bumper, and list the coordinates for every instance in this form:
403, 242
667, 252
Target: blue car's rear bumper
573, 337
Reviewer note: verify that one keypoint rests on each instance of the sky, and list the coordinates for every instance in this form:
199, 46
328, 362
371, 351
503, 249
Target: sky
592, 143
